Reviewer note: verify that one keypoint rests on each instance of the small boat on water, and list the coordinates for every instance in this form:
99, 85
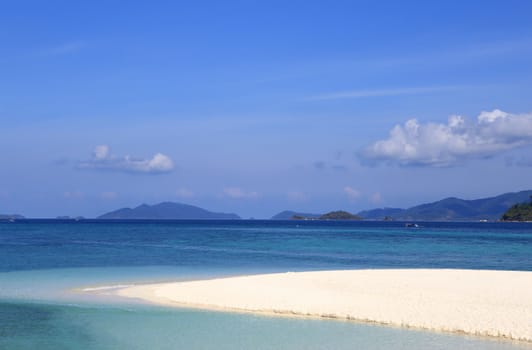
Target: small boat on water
410, 225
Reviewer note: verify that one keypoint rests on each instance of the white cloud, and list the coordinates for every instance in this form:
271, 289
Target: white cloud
375, 198
382, 92
238, 193
73, 195
437, 144
101, 152
64, 49
109, 195
184, 193
352, 193
104, 160
296, 196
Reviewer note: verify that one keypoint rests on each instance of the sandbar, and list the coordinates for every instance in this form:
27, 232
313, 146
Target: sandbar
478, 302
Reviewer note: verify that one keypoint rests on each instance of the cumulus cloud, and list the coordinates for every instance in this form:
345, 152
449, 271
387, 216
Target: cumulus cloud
103, 159
184, 193
375, 198
100, 152
73, 194
296, 196
109, 195
437, 144
351, 192
238, 193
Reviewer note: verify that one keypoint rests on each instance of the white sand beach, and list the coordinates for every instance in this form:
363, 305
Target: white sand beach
486, 303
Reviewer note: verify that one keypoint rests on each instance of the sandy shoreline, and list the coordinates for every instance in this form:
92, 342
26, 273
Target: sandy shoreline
486, 303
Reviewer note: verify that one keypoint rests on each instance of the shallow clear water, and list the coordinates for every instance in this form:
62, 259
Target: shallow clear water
44, 264
60, 327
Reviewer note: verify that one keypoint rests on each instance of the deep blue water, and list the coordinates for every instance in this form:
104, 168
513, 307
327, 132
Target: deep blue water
284, 245
41, 261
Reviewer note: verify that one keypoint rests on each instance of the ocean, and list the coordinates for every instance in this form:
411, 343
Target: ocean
45, 263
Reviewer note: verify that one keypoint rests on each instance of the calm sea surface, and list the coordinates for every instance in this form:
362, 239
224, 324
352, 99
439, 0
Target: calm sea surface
42, 263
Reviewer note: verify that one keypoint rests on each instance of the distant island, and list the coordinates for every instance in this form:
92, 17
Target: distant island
339, 215
513, 206
519, 212
167, 211
333, 215
448, 209
10, 217
452, 209
289, 214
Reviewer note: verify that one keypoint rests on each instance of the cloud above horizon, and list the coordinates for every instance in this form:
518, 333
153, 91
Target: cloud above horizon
184, 192
375, 198
364, 93
64, 49
74, 194
352, 193
450, 144
297, 196
238, 193
109, 195
103, 159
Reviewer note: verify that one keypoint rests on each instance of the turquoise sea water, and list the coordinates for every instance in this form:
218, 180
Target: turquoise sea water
43, 264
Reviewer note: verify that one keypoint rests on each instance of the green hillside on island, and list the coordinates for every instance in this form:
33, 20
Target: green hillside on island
448, 209
333, 215
452, 209
519, 212
339, 215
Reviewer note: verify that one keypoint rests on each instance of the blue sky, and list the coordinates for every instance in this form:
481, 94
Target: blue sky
256, 107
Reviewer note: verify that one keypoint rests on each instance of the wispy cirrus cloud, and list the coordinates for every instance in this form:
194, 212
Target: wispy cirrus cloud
238, 193
450, 55
63, 49
365, 93
102, 159
457, 55
438, 144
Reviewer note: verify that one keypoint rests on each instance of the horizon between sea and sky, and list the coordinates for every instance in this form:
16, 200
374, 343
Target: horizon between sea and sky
255, 108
